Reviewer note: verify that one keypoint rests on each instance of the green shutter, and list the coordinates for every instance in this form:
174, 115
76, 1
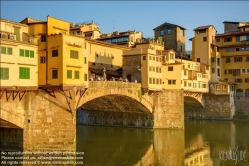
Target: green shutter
26, 53
85, 60
27, 73
76, 55
76, 74
20, 72
21, 52
85, 77
9, 50
4, 73
31, 54
3, 50
71, 53
69, 74
85, 45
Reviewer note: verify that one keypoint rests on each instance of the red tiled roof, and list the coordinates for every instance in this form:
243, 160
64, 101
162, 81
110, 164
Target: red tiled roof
202, 27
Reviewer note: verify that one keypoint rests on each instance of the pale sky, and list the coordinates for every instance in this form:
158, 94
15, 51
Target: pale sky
142, 16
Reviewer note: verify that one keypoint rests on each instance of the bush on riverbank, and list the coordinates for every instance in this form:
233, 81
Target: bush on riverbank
240, 114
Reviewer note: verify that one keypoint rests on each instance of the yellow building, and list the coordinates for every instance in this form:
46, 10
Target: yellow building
143, 63
184, 74
234, 51
18, 61
106, 56
62, 58
86, 29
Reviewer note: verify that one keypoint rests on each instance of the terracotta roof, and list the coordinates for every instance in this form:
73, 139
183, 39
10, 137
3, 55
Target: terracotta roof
108, 72
202, 27
166, 23
232, 33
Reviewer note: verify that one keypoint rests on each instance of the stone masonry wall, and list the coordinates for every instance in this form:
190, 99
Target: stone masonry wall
46, 121
168, 109
242, 104
216, 107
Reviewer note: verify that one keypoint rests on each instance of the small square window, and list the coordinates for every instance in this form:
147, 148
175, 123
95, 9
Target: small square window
54, 74
204, 39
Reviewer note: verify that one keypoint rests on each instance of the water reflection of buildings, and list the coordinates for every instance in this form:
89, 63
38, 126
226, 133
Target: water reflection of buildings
197, 153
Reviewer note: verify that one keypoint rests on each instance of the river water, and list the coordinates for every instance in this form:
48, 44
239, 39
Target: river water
202, 142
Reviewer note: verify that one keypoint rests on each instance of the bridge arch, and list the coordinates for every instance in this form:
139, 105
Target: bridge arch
99, 89
11, 117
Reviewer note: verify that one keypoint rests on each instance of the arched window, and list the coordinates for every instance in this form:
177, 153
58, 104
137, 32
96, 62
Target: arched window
239, 93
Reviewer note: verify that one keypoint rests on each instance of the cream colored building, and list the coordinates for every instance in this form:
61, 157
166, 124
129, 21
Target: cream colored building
86, 29
18, 61
144, 64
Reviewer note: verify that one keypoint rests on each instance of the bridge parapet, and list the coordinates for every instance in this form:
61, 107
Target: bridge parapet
113, 84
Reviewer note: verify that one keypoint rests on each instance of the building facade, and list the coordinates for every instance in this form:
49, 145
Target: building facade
19, 59
86, 29
173, 37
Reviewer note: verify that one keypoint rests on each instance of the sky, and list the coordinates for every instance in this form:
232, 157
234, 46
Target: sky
141, 16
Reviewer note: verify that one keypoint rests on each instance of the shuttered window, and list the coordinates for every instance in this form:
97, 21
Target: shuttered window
69, 74
4, 73
24, 73
76, 74
74, 54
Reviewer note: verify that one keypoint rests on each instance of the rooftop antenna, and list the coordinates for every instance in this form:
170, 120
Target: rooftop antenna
112, 25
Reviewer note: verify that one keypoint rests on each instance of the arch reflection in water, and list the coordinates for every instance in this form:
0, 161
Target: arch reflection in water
130, 146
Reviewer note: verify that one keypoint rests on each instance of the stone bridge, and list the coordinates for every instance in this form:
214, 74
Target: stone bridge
48, 118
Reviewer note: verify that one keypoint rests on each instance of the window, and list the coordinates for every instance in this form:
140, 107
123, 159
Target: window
204, 39
218, 72
181, 32
236, 72
227, 60
198, 59
227, 49
4, 73
228, 39
154, 58
242, 49
85, 60
247, 59
43, 38
85, 77
168, 31
42, 59
246, 79
218, 49
243, 38
170, 68
218, 61
212, 59
74, 54
171, 82
185, 72
9, 50
24, 73
237, 49
218, 40
114, 40
237, 39
247, 48
54, 53
217, 87
21, 52
26, 53
232, 49
150, 80
3, 50
213, 70
76, 74
189, 84
126, 39
85, 45
237, 59
185, 83
202, 31
228, 71
108, 41
238, 80
54, 74
172, 56
154, 81
162, 32
69, 74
